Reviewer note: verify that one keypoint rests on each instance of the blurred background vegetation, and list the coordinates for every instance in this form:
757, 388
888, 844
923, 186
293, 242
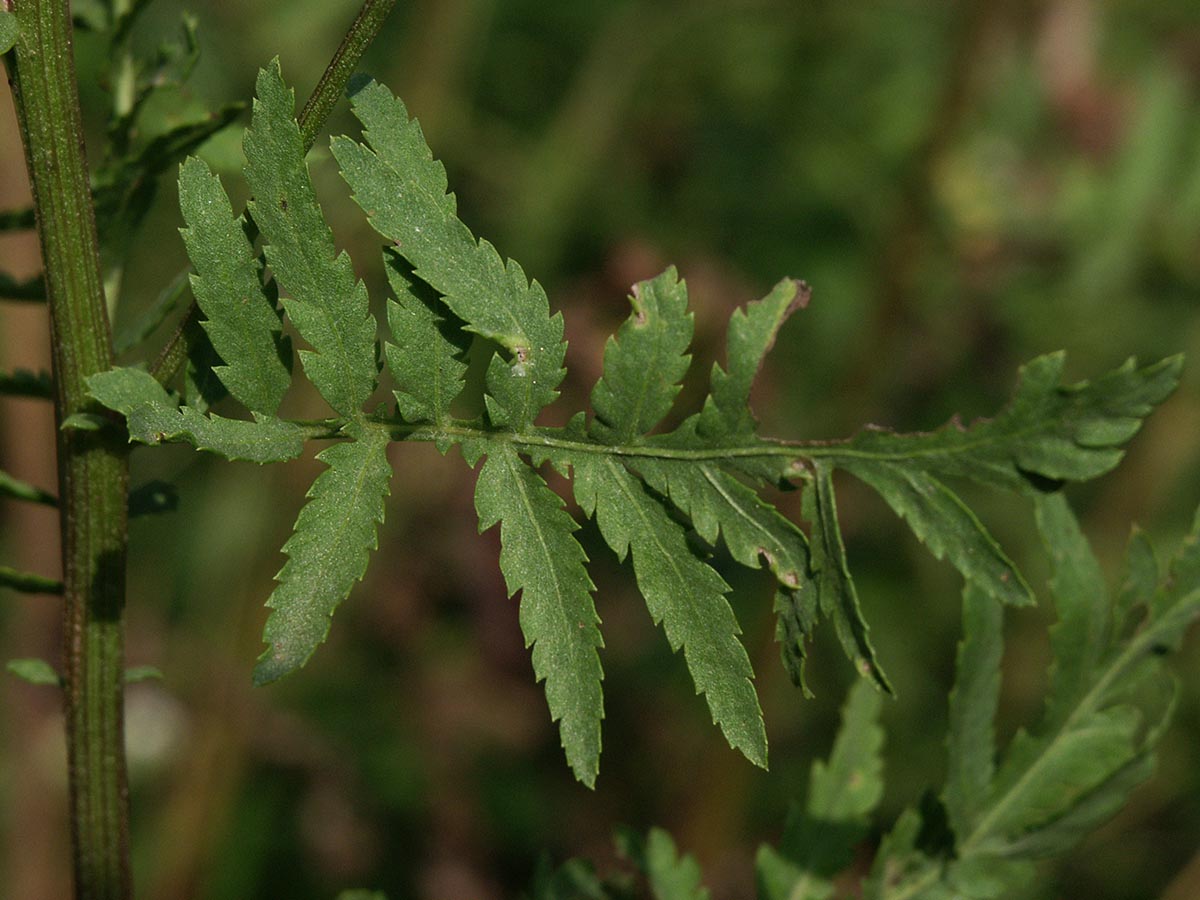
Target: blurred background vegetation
965, 185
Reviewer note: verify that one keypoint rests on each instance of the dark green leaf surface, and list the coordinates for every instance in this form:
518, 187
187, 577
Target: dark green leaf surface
837, 596
426, 354
241, 321
682, 592
751, 335
946, 525
644, 362
8, 30
541, 558
1056, 432
402, 189
152, 417
328, 551
328, 305
970, 739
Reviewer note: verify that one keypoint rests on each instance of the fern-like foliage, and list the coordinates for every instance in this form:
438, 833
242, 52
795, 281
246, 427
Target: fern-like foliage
650, 491
1109, 702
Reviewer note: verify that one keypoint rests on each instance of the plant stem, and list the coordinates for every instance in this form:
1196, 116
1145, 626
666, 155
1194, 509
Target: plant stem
312, 118
92, 466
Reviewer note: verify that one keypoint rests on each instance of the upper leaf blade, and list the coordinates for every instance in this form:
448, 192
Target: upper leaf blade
1048, 430
682, 592
241, 319
541, 558
836, 592
426, 358
752, 333
328, 305
328, 552
644, 361
403, 191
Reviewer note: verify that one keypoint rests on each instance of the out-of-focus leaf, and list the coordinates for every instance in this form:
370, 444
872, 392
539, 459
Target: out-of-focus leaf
34, 671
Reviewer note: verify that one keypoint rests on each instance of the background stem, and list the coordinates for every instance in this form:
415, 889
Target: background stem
92, 466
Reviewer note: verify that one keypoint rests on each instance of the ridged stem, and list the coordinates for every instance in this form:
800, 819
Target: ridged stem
92, 466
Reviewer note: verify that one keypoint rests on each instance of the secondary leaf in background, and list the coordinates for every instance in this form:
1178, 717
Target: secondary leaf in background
328, 305
644, 362
682, 592
23, 383
242, 322
34, 671
27, 582
1108, 704
669, 875
836, 594
970, 736
153, 417
541, 558
16, 489
818, 841
327, 552
427, 356
402, 189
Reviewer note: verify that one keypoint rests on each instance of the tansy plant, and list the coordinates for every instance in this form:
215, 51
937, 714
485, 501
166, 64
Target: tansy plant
664, 498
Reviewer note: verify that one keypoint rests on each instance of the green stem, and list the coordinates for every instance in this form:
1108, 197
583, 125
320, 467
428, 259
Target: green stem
325, 95
332, 86
92, 466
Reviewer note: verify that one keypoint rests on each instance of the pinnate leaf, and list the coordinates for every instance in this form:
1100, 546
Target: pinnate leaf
682, 592
328, 551
644, 362
426, 354
541, 558
751, 335
1051, 431
241, 321
402, 189
327, 304
152, 417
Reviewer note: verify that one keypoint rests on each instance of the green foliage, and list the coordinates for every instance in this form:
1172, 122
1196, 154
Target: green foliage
819, 838
152, 416
243, 324
9, 29
335, 534
34, 671
1108, 703
541, 558
327, 304
669, 876
649, 491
